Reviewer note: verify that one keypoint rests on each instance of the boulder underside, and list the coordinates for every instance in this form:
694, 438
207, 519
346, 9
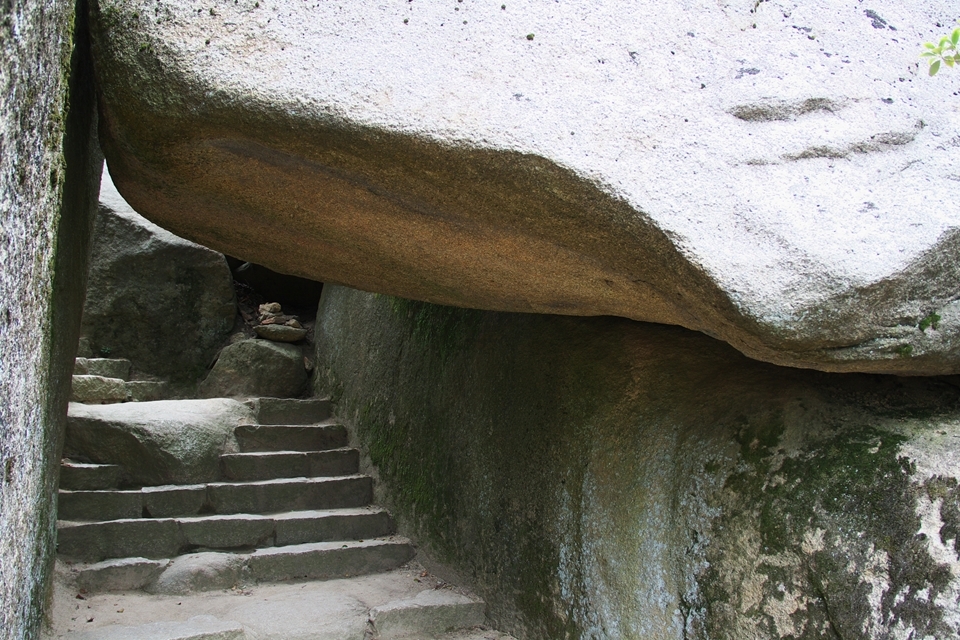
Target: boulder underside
552, 161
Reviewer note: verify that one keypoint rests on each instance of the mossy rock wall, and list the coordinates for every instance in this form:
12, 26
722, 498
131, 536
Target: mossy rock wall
49, 176
602, 478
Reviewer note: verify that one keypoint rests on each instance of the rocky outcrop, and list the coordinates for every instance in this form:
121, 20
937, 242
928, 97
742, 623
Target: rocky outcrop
49, 170
162, 302
156, 443
602, 478
789, 193
256, 368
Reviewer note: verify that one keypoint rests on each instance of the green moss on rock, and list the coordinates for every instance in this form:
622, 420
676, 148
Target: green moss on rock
599, 478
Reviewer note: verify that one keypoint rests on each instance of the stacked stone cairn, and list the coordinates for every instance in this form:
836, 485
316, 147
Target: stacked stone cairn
277, 326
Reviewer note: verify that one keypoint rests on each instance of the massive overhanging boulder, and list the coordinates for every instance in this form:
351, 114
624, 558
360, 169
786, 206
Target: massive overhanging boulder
780, 175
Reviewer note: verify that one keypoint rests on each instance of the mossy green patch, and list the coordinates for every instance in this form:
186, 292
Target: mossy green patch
600, 478
823, 517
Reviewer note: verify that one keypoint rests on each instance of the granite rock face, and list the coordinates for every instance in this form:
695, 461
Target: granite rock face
160, 301
602, 478
49, 173
775, 174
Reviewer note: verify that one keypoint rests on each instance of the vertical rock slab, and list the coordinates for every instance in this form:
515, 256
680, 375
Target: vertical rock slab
49, 174
601, 478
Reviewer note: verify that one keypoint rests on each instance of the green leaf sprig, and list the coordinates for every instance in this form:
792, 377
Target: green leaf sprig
945, 51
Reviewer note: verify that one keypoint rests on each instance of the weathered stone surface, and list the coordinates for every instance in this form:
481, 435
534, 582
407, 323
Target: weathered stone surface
49, 174
99, 505
788, 192
280, 333
289, 464
147, 390
162, 302
324, 560
226, 532
106, 367
290, 494
291, 410
164, 442
428, 614
607, 478
256, 368
123, 574
196, 628
97, 390
90, 477
298, 527
201, 572
132, 537
262, 438
174, 500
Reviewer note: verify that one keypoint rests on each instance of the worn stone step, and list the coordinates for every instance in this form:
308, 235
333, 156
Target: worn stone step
117, 574
99, 505
168, 537
261, 438
97, 390
147, 390
154, 502
291, 411
82, 476
430, 613
325, 560
289, 464
261, 496
106, 367
196, 628
211, 570
290, 494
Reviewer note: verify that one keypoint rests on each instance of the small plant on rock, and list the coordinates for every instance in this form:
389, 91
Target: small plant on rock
945, 51
930, 321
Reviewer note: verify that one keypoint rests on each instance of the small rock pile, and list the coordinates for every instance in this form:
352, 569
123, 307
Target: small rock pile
271, 367
277, 326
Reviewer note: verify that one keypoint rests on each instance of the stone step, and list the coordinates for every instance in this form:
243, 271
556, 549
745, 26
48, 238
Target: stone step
210, 570
167, 537
293, 610
325, 560
262, 496
196, 628
262, 438
291, 411
147, 390
106, 367
290, 494
117, 574
98, 390
289, 464
430, 613
81, 476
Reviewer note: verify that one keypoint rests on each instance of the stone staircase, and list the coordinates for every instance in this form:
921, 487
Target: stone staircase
290, 505
104, 380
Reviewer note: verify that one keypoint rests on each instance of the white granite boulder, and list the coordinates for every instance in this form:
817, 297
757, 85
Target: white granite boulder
781, 175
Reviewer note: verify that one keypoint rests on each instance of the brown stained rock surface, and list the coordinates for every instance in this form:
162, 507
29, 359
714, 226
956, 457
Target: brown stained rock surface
795, 212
